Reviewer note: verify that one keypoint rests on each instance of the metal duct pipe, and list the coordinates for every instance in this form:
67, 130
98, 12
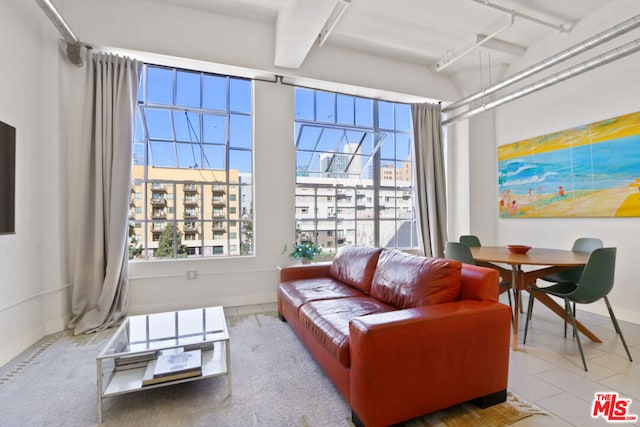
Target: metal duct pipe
561, 28
610, 56
73, 43
590, 43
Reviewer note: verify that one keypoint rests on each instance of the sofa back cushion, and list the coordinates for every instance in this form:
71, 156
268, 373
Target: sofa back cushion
407, 281
355, 265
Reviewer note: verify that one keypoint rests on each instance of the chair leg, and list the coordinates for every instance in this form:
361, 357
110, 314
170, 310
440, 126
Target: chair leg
575, 331
510, 304
574, 316
567, 308
566, 316
617, 327
520, 303
529, 311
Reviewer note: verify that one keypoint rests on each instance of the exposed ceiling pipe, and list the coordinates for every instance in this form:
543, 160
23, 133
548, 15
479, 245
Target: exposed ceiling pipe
610, 56
73, 43
561, 28
590, 43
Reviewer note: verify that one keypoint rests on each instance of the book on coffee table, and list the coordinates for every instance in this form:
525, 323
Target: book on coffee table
149, 379
135, 358
172, 366
172, 363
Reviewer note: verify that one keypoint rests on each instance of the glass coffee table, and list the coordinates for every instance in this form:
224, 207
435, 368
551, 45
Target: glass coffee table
127, 361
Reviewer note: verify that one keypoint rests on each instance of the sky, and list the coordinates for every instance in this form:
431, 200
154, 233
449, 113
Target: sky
196, 138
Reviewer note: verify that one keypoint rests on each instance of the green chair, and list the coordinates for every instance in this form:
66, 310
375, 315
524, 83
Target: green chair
470, 240
594, 284
461, 252
572, 276
583, 244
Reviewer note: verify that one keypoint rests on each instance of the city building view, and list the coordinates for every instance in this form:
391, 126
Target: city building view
354, 182
204, 218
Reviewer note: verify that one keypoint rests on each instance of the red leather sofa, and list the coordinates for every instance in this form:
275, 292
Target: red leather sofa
400, 335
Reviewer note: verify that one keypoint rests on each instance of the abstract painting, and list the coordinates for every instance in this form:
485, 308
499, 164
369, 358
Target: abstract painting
587, 171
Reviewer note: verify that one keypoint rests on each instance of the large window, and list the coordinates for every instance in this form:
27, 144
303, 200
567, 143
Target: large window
192, 159
354, 180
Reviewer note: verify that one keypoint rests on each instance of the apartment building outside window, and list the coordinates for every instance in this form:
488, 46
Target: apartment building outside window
191, 166
354, 181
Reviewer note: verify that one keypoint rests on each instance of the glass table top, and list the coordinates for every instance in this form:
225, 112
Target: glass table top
158, 331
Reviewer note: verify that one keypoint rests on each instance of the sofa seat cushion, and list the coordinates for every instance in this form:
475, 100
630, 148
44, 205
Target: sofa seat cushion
298, 292
328, 322
355, 266
408, 281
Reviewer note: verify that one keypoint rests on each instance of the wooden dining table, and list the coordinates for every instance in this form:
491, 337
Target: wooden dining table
548, 260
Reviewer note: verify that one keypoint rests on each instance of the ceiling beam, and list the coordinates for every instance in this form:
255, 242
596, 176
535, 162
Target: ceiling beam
297, 29
501, 45
479, 42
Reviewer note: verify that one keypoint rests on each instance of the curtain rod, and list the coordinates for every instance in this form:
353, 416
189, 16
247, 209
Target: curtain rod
74, 47
253, 74
393, 96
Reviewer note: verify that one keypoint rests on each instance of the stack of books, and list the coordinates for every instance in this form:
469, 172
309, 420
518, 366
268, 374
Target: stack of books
133, 361
172, 365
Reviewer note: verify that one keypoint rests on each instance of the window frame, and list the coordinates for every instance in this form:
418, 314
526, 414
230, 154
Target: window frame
371, 196
236, 177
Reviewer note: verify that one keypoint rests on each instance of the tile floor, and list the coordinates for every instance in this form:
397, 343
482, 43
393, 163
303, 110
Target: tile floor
548, 372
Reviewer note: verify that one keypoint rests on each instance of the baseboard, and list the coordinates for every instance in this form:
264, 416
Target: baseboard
13, 349
32, 319
236, 301
599, 307
621, 313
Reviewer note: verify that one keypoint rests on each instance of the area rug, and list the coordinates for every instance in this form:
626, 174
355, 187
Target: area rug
275, 382
469, 415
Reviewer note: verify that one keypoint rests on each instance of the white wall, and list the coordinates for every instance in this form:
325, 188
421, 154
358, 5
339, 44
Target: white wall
34, 299
606, 92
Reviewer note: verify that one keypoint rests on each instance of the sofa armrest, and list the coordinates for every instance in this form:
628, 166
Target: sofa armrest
304, 271
479, 283
411, 362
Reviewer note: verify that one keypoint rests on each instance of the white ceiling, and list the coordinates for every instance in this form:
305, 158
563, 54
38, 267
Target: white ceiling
427, 32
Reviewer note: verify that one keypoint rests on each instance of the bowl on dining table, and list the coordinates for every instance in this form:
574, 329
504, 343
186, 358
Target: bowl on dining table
518, 249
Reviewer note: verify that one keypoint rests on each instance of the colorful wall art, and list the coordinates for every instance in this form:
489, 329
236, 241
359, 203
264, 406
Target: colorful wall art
588, 171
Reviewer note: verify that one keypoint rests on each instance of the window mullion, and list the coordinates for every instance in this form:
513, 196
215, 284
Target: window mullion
376, 180
175, 219
200, 231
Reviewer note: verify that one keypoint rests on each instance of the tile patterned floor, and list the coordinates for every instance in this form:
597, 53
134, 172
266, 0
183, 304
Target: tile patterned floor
548, 370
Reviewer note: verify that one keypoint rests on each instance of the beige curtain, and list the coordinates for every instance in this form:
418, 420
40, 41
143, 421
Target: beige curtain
430, 177
100, 273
